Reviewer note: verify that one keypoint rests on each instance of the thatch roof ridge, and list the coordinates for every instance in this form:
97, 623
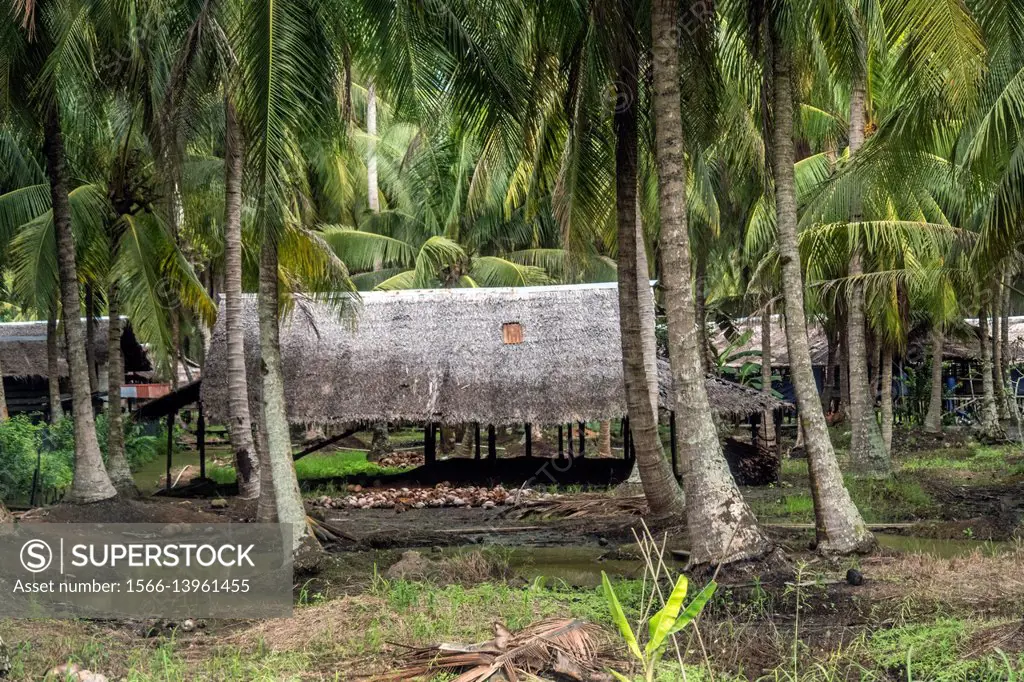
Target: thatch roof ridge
439, 355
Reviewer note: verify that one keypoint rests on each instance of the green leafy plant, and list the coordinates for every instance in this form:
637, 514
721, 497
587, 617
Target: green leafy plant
664, 624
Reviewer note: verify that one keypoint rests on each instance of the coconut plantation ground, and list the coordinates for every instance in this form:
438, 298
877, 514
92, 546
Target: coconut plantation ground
941, 600
724, 247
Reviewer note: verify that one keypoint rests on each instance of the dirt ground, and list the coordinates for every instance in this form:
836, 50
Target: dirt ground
945, 618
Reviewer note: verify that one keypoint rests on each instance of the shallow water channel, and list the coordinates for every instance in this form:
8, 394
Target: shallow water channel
581, 566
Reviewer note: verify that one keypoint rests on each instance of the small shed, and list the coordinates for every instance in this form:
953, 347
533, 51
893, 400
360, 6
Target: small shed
23, 360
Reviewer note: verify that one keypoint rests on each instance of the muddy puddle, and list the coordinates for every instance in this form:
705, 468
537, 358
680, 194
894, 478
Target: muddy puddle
941, 548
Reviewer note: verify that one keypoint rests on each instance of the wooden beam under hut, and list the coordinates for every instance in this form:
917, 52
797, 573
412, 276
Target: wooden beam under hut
561, 442
476, 428
583, 439
492, 446
201, 440
529, 440
320, 445
170, 447
572, 443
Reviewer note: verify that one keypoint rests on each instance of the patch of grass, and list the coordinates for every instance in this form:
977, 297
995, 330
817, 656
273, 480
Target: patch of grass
938, 651
898, 498
975, 458
320, 466
797, 507
794, 468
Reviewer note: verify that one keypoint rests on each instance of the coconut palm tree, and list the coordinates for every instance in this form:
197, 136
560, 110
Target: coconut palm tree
247, 461
720, 523
31, 32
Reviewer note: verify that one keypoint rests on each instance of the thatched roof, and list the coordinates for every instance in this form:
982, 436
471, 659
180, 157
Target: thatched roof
440, 355
23, 349
961, 342
727, 398
741, 353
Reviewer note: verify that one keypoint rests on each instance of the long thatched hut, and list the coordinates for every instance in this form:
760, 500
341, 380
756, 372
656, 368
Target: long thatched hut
541, 355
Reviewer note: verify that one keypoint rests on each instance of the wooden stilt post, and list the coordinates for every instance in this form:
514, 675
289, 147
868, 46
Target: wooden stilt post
201, 440
170, 447
529, 440
626, 437
561, 442
572, 443
430, 444
492, 448
583, 439
672, 437
476, 428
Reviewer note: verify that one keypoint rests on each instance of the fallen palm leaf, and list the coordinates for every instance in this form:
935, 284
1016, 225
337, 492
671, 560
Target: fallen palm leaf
578, 506
563, 646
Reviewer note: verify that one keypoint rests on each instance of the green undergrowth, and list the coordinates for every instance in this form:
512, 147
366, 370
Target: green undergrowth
350, 636
900, 498
321, 466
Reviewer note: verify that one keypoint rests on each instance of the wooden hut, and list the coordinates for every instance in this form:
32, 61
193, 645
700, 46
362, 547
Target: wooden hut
26, 371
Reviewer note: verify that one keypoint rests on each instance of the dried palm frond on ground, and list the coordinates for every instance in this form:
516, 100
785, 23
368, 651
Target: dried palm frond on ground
590, 505
561, 646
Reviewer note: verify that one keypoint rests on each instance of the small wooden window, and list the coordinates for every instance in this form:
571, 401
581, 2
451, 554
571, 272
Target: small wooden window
512, 333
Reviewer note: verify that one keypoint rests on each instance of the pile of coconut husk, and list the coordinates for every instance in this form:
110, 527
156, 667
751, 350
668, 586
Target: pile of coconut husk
563, 648
407, 459
576, 506
441, 495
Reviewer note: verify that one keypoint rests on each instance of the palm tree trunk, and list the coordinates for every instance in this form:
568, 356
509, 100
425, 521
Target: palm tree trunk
373, 192
700, 280
604, 440
91, 482
381, 444
867, 452
721, 525
90, 336
997, 352
1004, 312
933, 420
3, 396
664, 497
828, 379
838, 525
288, 500
844, 376
266, 507
247, 462
988, 418
117, 462
53, 365
886, 397
875, 374
766, 439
